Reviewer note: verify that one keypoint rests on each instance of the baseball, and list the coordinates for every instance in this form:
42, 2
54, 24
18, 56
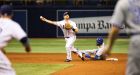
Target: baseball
41, 17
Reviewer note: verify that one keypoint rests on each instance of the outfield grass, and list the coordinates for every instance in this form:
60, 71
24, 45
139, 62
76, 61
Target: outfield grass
38, 69
58, 45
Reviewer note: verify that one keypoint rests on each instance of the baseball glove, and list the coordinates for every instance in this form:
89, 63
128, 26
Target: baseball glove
68, 26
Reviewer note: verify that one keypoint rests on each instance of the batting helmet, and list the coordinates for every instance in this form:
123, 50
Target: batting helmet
6, 9
99, 41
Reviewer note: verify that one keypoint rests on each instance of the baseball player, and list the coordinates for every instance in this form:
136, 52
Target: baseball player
9, 29
69, 30
127, 12
96, 54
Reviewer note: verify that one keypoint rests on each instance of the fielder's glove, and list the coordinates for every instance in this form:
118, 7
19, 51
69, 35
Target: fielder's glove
68, 26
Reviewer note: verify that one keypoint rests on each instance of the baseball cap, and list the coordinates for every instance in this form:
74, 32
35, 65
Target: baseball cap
6, 9
66, 13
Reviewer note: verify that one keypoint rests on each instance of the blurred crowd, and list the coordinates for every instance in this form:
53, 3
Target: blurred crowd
60, 2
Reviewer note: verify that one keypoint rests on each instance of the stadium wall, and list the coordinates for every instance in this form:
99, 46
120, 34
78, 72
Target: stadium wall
29, 19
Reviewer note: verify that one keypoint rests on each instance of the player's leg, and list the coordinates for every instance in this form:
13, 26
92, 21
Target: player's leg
70, 46
88, 53
5, 65
73, 49
133, 64
68, 50
7, 72
76, 51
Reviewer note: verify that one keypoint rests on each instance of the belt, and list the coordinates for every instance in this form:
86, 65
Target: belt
67, 37
132, 34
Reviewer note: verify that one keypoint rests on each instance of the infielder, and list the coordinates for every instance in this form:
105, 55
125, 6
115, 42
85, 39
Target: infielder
69, 30
9, 29
96, 54
127, 12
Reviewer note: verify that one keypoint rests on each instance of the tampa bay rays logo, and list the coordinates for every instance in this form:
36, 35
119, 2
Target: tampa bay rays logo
0, 30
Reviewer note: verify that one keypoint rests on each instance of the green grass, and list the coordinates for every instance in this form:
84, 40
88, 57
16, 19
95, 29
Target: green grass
121, 46
38, 69
58, 45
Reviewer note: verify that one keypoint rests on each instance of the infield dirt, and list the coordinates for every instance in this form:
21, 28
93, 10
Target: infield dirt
79, 67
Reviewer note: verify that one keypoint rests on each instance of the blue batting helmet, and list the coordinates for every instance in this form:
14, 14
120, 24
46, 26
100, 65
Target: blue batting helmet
6, 9
99, 41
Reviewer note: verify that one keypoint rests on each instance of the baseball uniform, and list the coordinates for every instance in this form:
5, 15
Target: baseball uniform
69, 35
128, 12
95, 52
8, 30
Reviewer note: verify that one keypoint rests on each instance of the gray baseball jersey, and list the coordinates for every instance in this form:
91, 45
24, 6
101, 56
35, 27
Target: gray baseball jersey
127, 12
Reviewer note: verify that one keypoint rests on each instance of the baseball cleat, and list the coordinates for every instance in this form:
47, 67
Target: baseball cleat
67, 60
82, 58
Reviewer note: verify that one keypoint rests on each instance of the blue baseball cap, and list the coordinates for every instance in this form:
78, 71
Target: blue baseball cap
6, 9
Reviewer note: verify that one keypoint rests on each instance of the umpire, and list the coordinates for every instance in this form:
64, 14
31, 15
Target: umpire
127, 12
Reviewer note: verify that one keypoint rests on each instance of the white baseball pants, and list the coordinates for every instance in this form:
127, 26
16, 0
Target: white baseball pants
70, 46
5, 65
